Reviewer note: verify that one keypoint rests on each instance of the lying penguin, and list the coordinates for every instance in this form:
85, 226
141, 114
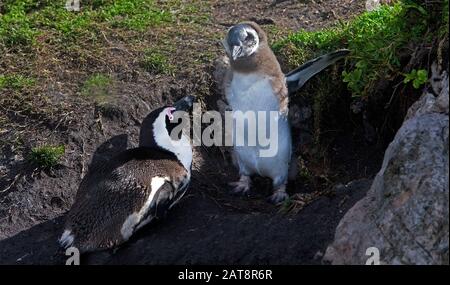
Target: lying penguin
136, 186
254, 82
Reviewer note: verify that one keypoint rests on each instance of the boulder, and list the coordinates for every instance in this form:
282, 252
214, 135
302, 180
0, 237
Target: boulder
405, 214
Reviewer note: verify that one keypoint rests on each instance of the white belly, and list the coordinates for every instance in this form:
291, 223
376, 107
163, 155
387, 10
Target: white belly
250, 92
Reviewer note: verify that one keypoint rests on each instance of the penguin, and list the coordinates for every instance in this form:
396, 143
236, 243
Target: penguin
255, 82
136, 186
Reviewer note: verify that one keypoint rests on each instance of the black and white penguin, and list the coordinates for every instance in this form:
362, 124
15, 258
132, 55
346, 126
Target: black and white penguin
255, 83
139, 185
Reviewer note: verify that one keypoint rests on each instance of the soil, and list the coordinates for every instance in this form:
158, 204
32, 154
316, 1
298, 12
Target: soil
209, 226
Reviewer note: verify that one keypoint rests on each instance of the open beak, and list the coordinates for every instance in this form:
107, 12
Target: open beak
184, 104
236, 52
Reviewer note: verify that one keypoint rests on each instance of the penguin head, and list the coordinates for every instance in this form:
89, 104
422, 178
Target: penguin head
242, 40
167, 125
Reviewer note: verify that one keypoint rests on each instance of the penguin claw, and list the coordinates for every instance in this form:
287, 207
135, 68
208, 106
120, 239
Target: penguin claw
278, 197
242, 186
239, 188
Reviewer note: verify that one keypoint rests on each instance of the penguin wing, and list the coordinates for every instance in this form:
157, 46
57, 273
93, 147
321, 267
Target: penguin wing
162, 200
165, 197
279, 88
299, 76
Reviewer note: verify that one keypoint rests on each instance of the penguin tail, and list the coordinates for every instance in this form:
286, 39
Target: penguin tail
296, 78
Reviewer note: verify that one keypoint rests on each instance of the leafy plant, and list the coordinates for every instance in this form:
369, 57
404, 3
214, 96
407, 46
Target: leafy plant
47, 156
418, 77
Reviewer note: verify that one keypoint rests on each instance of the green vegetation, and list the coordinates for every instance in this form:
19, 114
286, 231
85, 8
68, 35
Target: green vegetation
15, 26
97, 86
22, 21
47, 156
444, 26
156, 62
375, 38
132, 14
15, 81
418, 77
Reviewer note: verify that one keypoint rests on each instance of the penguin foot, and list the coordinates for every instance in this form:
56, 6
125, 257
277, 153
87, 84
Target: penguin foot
242, 186
279, 195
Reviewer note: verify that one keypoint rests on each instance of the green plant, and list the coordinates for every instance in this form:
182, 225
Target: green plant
418, 77
47, 156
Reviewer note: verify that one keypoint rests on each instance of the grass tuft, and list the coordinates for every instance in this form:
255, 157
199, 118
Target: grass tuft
156, 62
15, 81
47, 156
98, 86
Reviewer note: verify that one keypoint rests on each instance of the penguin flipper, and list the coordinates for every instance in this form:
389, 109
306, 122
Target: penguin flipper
162, 200
296, 78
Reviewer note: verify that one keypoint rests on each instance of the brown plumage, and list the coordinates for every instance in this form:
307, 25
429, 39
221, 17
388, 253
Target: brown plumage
262, 61
110, 193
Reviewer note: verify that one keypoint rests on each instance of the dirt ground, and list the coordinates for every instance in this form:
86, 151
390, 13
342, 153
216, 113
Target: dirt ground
209, 226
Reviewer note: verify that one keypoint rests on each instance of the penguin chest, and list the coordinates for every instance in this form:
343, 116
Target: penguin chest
251, 92
252, 95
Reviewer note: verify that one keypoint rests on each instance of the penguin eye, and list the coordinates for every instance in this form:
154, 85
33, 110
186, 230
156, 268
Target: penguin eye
249, 37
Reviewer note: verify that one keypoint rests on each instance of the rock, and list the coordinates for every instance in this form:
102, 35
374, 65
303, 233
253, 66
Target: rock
375, 4
405, 214
372, 5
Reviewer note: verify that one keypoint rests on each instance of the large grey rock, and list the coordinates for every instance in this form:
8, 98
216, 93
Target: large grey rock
405, 214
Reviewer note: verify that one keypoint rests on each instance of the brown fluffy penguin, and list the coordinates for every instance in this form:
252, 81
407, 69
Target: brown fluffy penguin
133, 188
254, 83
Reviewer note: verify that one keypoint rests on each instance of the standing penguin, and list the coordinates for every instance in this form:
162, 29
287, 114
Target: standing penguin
116, 199
254, 82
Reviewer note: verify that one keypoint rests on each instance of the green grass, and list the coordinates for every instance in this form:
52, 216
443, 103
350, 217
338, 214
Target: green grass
47, 156
15, 81
16, 27
98, 86
156, 62
133, 14
375, 39
23, 21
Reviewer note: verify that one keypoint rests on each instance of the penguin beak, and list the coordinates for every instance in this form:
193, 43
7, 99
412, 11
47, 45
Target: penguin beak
184, 104
236, 52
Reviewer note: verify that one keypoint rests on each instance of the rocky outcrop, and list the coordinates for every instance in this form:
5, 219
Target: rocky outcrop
405, 214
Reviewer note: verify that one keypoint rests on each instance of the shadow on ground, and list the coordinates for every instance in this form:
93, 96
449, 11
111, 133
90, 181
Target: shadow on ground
199, 231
